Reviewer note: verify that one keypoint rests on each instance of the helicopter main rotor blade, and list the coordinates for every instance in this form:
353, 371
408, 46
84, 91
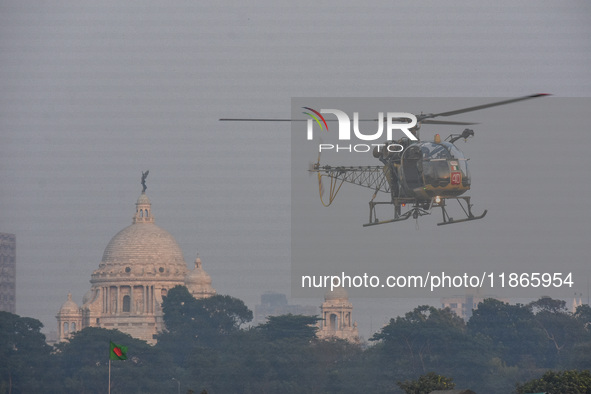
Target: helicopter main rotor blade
287, 120
427, 121
423, 118
260, 120
479, 107
445, 122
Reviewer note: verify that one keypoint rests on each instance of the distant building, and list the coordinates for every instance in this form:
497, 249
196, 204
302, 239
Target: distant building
576, 302
275, 304
140, 264
464, 305
8, 272
51, 338
336, 320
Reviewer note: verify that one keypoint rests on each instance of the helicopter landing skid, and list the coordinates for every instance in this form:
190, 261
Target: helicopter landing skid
415, 212
467, 210
419, 209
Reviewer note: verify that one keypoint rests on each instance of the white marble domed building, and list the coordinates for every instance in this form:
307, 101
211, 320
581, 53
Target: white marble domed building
199, 282
140, 264
336, 320
69, 317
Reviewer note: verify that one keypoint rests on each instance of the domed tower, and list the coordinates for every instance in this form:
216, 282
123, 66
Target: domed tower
140, 264
199, 282
69, 319
336, 317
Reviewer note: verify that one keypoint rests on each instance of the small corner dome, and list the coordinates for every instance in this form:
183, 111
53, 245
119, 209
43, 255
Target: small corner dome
69, 307
198, 282
198, 276
339, 293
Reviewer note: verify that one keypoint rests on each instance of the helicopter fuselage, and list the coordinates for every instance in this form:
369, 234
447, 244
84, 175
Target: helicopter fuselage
425, 170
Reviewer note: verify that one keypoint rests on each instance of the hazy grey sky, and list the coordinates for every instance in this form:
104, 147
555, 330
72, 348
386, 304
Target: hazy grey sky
524, 171
94, 93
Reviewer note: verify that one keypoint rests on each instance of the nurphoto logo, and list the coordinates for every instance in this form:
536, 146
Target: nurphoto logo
402, 121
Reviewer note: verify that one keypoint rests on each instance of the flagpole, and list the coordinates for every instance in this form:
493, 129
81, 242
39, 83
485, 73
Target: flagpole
116, 352
109, 389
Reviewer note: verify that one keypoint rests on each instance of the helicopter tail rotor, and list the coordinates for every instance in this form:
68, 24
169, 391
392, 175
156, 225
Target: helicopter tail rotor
324, 172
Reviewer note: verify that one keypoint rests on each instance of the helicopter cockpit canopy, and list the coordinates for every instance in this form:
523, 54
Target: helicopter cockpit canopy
432, 167
444, 150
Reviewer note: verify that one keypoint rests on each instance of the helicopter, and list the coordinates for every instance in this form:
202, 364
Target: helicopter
417, 175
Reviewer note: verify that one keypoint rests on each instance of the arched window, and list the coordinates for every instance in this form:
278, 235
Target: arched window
66, 328
333, 322
73, 326
126, 303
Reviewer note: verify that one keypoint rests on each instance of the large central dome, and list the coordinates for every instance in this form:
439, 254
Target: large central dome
143, 243
142, 249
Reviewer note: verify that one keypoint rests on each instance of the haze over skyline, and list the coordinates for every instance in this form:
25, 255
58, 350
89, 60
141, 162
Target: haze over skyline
94, 94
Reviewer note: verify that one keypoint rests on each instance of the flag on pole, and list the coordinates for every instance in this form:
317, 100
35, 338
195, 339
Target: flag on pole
118, 352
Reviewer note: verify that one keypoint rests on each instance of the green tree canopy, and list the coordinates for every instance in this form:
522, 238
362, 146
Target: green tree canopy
512, 328
548, 304
24, 354
194, 328
296, 327
563, 333
84, 361
428, 339
572, 382
583, 314
422, 336
427, 383
203, 319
